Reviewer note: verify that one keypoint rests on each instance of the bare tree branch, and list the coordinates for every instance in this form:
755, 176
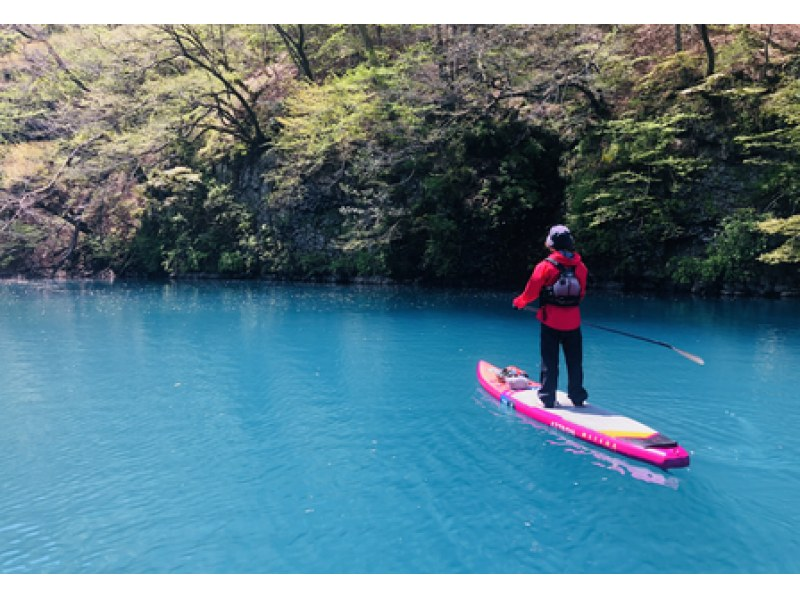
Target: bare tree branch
297, 50
37, 37
192, 47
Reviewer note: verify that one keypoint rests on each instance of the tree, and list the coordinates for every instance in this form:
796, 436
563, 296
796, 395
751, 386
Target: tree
32, 34
295, 42
703, 29
408, 151
90, 118
230, 107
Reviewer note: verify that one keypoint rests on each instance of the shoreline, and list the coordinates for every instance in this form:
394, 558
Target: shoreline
651, 290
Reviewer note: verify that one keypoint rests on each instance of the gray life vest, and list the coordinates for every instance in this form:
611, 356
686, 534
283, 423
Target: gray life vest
565, 291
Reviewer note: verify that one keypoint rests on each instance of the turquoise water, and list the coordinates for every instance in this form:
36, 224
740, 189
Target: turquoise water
262, 428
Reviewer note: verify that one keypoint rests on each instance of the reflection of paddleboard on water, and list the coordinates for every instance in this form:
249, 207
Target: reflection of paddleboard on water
618, 465
589, 423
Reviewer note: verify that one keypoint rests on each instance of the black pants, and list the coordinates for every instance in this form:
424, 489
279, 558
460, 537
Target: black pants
550, 342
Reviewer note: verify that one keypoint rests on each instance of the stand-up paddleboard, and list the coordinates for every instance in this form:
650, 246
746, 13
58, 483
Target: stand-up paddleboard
592, 424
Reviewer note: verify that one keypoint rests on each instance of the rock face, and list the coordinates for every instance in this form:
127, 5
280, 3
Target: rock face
301, 233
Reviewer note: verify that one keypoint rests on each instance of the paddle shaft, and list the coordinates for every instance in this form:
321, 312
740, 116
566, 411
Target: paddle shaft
686, 354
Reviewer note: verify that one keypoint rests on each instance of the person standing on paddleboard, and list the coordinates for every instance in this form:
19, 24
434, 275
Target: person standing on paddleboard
559, 282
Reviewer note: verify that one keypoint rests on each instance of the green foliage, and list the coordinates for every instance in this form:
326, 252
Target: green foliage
327, 118
629, 188
663, 85
343, 152
16, 244
330, 122
772, 152
677, 192
439, 153
789, 230
191, 227
743, 52
731, 256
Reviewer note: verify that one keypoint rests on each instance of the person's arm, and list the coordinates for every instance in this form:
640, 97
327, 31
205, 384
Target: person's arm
532, 289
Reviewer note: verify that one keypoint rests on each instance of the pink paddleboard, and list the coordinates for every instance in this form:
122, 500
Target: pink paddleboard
592, 424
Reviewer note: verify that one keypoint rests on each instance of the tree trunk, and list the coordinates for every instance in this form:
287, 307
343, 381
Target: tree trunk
709, 49
192, 46
297, 49
767, 41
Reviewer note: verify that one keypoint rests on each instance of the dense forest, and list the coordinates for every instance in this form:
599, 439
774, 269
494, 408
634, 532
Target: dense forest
435, 154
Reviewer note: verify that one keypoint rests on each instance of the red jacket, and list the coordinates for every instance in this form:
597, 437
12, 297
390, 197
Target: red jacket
544, 275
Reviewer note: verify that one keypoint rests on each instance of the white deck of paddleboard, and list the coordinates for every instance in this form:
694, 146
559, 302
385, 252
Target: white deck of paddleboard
588, 416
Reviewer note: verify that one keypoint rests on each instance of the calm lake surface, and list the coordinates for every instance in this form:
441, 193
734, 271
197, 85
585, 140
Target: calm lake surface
276, 428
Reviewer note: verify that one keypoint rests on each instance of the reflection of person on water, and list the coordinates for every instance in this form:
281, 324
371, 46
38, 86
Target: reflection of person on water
559, 282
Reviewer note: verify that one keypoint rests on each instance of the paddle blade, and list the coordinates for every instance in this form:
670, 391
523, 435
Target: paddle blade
689, 356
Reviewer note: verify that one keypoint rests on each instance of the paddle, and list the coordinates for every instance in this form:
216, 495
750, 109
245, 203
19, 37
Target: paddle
686, 354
